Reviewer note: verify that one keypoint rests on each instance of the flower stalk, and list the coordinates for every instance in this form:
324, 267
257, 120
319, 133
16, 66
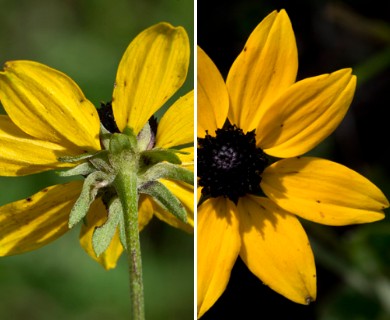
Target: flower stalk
126, 186
128, 166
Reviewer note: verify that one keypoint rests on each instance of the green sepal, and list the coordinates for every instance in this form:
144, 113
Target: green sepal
178, 151
165, 199
145, 138
132, 136
157, 155
82, 169
102, 236
78, 158
120, 142
168, 170
105, 137
101, 162
91, 186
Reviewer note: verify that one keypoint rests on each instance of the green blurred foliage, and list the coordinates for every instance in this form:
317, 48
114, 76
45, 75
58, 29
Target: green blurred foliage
85, 39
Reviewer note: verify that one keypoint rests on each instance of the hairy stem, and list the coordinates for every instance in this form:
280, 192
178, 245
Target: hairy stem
126, 186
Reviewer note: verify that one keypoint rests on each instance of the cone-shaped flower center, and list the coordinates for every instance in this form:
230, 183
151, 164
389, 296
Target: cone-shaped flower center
230, 164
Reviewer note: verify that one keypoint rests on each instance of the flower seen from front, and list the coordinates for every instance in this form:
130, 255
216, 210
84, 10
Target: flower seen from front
253, 181
51, 125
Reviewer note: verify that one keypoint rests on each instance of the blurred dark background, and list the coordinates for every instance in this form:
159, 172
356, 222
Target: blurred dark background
353, 262
86, 39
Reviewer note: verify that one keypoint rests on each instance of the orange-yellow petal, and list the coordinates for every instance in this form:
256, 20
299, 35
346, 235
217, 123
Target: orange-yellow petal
265, 68
33, 222
145, 211
218, 248
176, 127
48, 105
152, 69
213, 98
187, 160
96, 217
323, 191
22, 154
308, 112
198, 193
276, 249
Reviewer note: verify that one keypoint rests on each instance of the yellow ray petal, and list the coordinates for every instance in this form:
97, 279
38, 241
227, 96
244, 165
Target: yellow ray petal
152, 69
218, 247
145, 211
265, 68
48, 105
276, 249
306, 114
96, 217
187, 160
213, 99
323, 191
33, 222
177, 124
170, 219
198, 193
185, 193
22, 154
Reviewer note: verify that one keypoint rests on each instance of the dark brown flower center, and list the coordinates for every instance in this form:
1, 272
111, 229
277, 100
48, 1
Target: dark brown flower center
230, 164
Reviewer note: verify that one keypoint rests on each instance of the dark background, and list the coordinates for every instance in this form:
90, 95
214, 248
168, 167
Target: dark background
353, 262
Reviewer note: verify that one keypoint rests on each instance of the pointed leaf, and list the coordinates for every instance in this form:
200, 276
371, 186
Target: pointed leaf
82, 169
168, 171
91, 186
103, 235
165, 199
158, 155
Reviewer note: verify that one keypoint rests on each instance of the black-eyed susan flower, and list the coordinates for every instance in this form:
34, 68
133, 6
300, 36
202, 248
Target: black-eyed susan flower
142, 168
253, 183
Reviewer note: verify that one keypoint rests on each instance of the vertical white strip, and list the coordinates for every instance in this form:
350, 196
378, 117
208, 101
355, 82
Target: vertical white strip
195, 158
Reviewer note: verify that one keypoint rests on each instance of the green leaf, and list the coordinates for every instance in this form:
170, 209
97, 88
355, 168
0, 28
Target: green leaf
167, 170
91, 186
178, 151
103, 235
78, 158
165, 199
83, 169
158, 155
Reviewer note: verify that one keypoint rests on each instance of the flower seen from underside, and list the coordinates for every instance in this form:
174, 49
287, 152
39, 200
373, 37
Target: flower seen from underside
50, 124
248, 201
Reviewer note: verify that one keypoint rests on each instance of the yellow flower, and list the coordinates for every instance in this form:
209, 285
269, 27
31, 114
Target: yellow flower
50, 118
248, 205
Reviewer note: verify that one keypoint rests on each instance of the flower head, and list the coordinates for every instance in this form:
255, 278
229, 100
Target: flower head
50, 124
253, 182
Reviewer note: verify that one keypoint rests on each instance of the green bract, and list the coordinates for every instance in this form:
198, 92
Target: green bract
133, 157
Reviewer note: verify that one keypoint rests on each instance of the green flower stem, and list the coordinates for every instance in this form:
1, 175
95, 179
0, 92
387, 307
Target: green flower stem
126, 186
